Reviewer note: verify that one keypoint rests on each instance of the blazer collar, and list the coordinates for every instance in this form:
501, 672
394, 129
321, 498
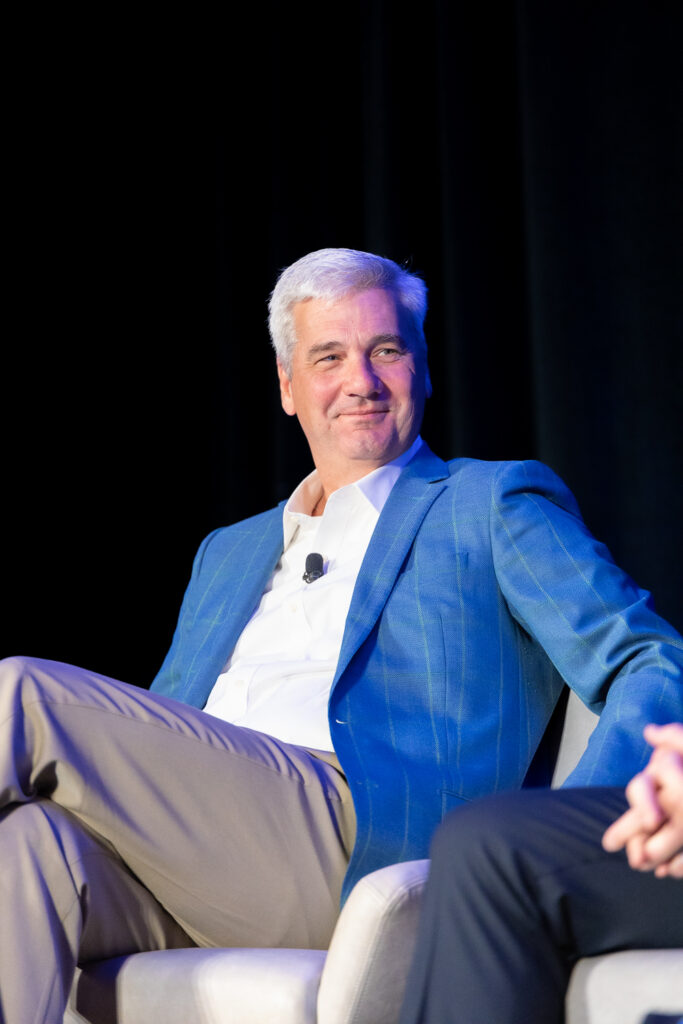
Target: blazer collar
416, 489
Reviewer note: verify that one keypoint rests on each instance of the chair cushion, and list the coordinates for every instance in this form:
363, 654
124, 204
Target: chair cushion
622, 988
204, 986
363, 980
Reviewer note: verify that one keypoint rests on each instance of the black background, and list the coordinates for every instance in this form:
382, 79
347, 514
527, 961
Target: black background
524, 157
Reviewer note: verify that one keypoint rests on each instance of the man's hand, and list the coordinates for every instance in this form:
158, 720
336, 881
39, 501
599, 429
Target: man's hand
652, 829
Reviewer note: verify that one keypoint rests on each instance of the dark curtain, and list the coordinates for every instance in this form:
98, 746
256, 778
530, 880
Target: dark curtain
524, 157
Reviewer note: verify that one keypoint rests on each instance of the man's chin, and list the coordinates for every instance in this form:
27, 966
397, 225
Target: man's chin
367, 448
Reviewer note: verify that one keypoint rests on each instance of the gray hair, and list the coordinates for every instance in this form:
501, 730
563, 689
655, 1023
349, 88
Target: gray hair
330, 274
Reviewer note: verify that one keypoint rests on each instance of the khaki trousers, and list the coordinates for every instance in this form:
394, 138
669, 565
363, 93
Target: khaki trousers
134, 822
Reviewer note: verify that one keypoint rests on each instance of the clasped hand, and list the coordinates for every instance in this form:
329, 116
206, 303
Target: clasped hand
651, 830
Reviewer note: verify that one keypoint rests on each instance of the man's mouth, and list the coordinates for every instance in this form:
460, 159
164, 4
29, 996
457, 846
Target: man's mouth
363, 412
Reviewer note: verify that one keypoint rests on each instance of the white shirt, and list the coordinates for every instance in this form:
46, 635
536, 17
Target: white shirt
279, 676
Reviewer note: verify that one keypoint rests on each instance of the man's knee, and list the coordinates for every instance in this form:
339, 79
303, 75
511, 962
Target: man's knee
18, 665
18, 670
12, 668
473, 825
495, 834
25, 680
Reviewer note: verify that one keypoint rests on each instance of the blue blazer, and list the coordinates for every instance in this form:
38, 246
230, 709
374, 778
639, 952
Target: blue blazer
480, 594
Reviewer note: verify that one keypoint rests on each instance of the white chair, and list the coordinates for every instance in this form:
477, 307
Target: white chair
361, 978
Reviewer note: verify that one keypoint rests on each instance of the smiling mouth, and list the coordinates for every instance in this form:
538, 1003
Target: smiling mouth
364, 412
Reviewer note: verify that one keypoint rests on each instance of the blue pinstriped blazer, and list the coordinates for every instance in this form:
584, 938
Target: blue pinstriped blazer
480, 593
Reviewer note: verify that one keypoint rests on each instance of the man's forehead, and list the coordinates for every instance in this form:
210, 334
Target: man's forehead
371, 311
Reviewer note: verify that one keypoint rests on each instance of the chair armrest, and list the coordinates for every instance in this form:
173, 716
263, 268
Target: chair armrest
364, 977
622, 988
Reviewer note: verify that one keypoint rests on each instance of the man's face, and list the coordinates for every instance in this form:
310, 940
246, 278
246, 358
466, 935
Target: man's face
358, 384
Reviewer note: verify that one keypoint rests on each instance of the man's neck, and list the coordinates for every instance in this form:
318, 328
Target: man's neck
319, 506
360, 470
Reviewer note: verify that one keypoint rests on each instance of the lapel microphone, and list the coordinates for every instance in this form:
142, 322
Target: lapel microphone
314, 567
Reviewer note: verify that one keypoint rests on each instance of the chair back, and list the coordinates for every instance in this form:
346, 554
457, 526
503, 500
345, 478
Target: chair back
579, 723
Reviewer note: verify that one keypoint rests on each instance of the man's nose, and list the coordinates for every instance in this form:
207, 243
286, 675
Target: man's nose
362, 379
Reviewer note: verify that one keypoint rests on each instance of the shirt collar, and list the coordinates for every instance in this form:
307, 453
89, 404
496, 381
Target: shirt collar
375, 487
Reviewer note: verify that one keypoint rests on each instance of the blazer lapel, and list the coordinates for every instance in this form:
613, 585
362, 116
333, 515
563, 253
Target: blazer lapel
250, 570
415, 490
229, 601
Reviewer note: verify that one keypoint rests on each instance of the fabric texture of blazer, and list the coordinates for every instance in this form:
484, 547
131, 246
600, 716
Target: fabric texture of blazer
481, 593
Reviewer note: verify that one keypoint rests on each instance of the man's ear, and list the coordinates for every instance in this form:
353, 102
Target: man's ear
428, 382
285, 390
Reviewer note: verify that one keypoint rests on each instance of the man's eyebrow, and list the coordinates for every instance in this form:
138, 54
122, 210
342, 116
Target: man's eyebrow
322, 347
389, 339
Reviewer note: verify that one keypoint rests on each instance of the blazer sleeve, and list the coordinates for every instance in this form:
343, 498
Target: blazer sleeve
596, 625
169, 679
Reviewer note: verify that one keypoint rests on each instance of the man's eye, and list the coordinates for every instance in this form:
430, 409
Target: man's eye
388, 351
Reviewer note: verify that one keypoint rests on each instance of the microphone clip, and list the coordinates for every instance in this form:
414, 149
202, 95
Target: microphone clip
314, 567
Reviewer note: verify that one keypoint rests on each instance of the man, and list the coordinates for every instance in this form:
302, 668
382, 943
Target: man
521, 886
300, 734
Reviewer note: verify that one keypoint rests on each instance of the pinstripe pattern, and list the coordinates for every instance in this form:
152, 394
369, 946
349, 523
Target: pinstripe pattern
481, 590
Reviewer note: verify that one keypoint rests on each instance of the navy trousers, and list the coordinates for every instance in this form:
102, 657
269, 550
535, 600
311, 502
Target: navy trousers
519, 889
